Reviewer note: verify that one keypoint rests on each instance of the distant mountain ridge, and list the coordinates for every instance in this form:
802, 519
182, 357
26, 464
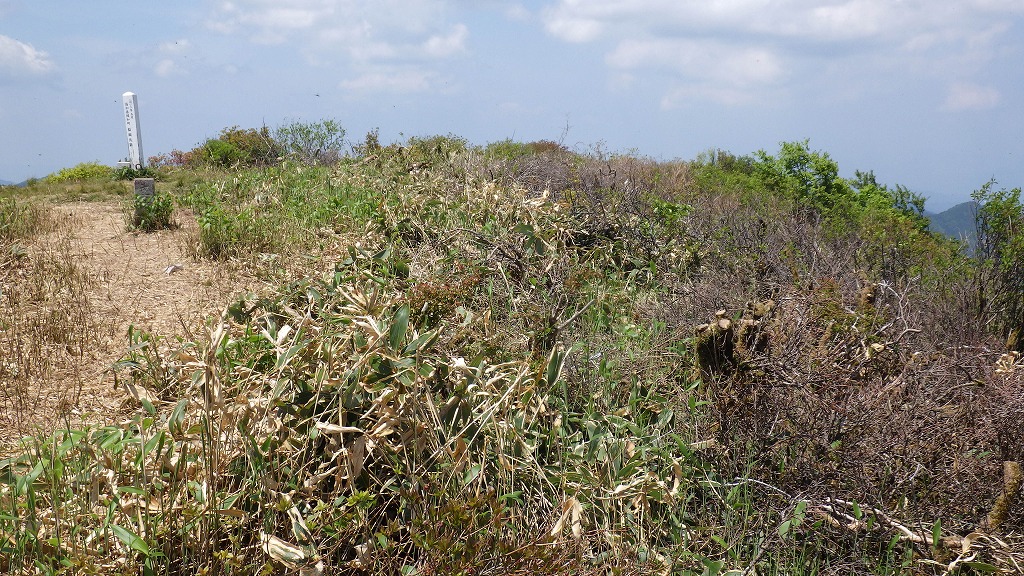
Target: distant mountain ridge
956, 222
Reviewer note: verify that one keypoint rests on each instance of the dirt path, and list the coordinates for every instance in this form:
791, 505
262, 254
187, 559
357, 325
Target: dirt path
146, 281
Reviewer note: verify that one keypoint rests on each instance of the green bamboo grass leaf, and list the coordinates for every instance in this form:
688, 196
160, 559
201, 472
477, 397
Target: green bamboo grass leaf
784, 528
555, 363
422, 343
24, 482
288, 354
282, 551
471, 474
176, 418
133, 541
299, 528
399, 327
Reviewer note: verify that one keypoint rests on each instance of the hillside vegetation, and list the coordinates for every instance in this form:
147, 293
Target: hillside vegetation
526, 359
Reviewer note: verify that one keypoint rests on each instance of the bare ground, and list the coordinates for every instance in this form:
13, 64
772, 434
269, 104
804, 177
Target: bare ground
147, 281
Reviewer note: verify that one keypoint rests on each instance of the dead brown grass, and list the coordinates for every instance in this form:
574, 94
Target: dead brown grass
70, 298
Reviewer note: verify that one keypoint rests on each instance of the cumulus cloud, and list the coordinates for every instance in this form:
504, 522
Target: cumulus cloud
442, 46
18, 59
718, 47
963, 96
719, 61
374, 38
382, 29
403, 81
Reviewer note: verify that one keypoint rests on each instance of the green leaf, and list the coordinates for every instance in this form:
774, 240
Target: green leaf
712, 567
299, 528
132, 540
555, 362
421, 343
399, 326
471, 474
287, 355
784, 528
176, 418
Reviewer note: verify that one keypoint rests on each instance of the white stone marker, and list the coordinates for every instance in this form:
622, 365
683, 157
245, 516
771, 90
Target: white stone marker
131, 122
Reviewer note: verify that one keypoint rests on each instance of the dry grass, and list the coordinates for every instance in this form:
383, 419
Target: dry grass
78, 282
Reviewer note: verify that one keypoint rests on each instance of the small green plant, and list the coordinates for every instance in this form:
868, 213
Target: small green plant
150, 213
226, 233
83, 171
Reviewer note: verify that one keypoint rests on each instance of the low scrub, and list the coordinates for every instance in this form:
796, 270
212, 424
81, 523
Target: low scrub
527, 359
83, 171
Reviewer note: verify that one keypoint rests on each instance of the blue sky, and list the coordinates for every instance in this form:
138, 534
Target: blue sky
928, 94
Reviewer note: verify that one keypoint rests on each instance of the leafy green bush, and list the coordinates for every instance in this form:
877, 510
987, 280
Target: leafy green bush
507, 149
812, 178
220, 153
130, 172
83, 171
150, 213
240, 147
1000, 258
311, 142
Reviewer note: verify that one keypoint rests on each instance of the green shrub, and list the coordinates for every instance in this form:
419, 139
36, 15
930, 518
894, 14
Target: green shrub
220, 153
311, 142
150, 213
507, 149
83, 171
1000, 262
130, 172
239, 147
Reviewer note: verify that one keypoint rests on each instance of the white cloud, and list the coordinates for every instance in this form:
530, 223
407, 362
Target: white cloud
714, 47
402, 81
165, 68
18, 58
714, 60
444, 46
374, 38
391, 28
963, 96
574, 29
517, 12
